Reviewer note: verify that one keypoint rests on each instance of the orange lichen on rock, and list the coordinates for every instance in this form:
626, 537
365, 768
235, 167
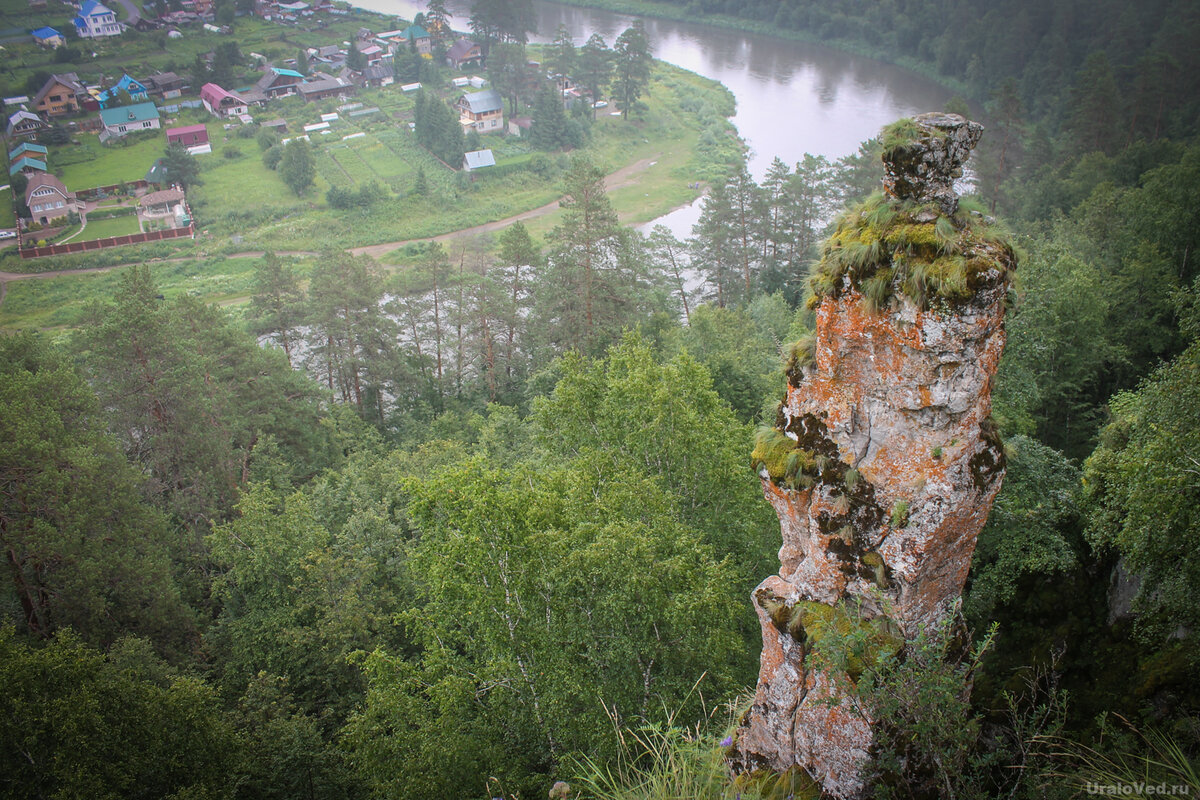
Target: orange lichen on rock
890, 404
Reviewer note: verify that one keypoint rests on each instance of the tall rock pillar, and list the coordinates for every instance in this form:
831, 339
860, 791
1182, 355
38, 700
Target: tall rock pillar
883, 463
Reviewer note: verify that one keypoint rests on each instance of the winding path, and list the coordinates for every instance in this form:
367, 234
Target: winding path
625, 176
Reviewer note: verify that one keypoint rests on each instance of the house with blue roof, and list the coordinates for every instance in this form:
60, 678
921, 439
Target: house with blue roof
27, 165
121, 121
27, 149
96, 20
134, 88
48, 37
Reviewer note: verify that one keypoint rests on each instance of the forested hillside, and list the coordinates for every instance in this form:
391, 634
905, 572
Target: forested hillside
447, 530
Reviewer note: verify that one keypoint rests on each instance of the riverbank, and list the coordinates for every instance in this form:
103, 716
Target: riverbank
669, 11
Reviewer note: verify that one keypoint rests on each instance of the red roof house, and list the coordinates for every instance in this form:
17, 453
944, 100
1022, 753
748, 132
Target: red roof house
188, 136
220, 102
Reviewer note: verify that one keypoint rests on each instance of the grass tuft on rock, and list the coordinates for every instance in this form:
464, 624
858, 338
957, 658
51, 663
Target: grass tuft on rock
885, 248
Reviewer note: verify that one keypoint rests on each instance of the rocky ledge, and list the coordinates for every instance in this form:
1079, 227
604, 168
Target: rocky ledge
883, 464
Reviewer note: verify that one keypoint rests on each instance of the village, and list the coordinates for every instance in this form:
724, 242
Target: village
90, 153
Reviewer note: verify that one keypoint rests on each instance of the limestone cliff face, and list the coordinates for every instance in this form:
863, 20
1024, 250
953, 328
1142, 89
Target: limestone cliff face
883, 465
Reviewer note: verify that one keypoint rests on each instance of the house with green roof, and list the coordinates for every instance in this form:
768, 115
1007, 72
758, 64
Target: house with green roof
121, 121
30, 149
419, 39
26, 165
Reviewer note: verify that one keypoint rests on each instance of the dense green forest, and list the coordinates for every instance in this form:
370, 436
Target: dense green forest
447, 531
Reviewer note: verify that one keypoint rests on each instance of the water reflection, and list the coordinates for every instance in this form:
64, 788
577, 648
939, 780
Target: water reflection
792, 98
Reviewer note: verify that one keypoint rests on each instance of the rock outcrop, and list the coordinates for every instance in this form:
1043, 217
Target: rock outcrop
883, 463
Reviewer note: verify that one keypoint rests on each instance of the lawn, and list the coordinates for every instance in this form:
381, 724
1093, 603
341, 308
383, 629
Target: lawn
7, 218
103, 228
63, 301
109, 163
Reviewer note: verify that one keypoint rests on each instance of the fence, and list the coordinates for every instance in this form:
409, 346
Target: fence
112, 241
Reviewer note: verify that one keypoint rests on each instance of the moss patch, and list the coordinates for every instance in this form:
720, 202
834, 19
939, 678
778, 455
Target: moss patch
846, 639
887, 247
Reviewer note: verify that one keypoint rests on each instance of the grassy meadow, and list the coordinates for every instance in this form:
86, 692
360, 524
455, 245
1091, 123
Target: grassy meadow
241, 205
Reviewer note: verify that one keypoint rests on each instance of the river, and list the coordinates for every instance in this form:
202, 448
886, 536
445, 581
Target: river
792, 98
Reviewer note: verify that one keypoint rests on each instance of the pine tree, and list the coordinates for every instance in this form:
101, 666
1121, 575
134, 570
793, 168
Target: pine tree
632, 68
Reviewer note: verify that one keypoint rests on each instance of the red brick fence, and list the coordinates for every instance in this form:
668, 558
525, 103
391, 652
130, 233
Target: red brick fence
111, 241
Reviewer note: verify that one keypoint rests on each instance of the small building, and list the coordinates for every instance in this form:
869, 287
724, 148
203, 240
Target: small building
188, 135
277, 82
121, 121
418, 39
373, 54
165, 84
378, 75
96, 20
221, 103
134, 88
48, 37
25, 125
163, 203
519, 126
478, 159
324, 87
62, 93
464, 53
27, 149
326, 53
279, 125
27, 165
47, 198
483, 111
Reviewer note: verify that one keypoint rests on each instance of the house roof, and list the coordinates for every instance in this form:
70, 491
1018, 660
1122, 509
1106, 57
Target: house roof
161, 79
276, 123
26, 147
45, 33
460, 49
68, 79
92, 8
161, 197
128, 84
324, 85
415, 32
40, 180
24, 163
140, 112
483, 102
214, 95
377, 72
186, 129
25, 116
479, 158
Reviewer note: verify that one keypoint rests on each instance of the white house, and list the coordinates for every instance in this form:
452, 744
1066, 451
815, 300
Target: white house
96, 20
121, 121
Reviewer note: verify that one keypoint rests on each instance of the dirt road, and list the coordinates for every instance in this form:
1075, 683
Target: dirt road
625, 176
